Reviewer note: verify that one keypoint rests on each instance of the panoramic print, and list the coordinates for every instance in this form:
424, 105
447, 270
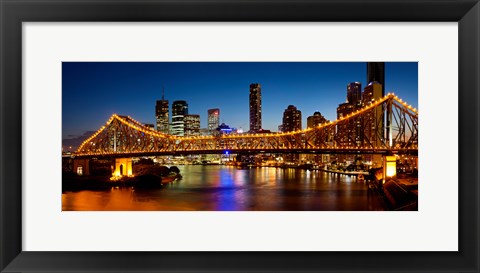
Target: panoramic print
239, 136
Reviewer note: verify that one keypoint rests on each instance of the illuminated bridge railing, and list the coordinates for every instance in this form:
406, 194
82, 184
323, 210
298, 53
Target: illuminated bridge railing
385, 125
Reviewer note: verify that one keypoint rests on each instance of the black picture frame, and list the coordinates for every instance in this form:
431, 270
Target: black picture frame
14, 12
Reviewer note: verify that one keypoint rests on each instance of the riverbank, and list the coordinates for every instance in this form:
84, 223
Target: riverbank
355, 173
145, 176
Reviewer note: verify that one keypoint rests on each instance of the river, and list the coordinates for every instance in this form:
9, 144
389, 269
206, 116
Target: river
227, 188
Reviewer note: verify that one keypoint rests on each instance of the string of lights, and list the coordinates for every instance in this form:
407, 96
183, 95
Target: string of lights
181, 141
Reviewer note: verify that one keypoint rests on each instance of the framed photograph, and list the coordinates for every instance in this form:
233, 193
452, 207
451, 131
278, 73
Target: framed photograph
198, 154
239, 136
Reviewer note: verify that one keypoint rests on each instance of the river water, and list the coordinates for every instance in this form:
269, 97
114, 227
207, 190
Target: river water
227, 188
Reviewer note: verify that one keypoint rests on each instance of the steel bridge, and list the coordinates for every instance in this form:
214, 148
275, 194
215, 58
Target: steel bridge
385, 126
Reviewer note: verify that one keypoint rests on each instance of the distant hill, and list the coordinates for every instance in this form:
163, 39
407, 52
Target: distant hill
71, 144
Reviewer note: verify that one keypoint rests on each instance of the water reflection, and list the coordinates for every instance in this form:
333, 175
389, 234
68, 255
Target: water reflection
228, 188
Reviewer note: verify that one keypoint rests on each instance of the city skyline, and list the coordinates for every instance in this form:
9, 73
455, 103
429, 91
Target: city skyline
133, 89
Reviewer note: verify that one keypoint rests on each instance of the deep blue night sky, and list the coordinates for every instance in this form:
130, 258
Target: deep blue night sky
92, 92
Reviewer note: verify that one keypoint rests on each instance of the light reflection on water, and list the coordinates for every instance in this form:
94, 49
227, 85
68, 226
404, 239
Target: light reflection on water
224, 188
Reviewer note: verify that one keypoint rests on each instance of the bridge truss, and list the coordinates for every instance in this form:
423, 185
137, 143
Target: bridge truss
386, 125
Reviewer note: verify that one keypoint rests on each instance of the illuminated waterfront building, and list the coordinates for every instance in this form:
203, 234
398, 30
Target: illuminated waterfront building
179, 110
213, 119
255, 107
192, 125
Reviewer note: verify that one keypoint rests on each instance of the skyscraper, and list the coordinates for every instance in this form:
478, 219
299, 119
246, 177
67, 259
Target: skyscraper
376, 73
350, 133
344, 109
213, 119
354, 94
179, 110
315, 120
375, 130
372, 92
192, 125
292, 119
161, 114
255, 107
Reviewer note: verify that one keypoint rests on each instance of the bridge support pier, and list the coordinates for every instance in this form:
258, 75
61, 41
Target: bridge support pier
81, 166
123, 167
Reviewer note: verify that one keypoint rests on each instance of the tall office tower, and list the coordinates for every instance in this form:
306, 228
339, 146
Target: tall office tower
312, 122
292, 119
344, 109
192, 125
348, 133
213, 119
161, 115
354, 94
344, 129
255, 107
375, 129
372, 92
315, 120
376, 73
179, 110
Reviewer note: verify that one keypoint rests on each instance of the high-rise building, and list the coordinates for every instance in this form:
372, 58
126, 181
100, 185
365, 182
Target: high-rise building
315, 120
354, 94
372, 92
375, 130
292, 119
376, 73
192, 125
255, 107
179, 110
345, 131
375, 89
344, 109
161, 115
213, 119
